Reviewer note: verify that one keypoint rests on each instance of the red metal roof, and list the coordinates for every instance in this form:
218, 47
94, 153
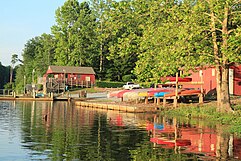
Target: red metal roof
69, 69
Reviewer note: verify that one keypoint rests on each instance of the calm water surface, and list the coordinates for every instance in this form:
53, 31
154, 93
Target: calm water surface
60, 131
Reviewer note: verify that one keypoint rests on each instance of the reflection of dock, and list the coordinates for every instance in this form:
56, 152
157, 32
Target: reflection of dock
42, 98
26, 99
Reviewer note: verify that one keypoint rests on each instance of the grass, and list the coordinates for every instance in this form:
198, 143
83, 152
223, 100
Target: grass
208, 113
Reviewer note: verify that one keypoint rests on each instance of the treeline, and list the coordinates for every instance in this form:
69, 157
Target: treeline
138, 39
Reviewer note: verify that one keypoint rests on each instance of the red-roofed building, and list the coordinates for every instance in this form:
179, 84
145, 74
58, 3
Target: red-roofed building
59, 77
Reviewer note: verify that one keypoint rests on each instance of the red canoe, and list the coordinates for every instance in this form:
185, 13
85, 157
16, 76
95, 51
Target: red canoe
173, 79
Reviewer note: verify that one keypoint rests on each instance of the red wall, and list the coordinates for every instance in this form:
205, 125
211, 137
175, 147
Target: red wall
75, 77
82, 77
92, 77
209, 79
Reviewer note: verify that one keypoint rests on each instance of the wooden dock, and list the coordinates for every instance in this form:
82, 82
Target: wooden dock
116, 107
26, 99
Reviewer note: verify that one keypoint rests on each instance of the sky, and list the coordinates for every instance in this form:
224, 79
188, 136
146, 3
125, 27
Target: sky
22, 20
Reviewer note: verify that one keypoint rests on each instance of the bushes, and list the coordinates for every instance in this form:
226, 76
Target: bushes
128, 78
107, 84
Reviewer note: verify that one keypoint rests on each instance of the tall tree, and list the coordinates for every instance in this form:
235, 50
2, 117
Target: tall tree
44, 53
14, 60
225, 28
101, 9
125, 22
38, 54
74, 33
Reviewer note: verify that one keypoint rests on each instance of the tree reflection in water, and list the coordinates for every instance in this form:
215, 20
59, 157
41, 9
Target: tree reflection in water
60, 131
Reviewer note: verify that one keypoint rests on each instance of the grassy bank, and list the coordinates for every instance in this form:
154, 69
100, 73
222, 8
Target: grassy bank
207, 112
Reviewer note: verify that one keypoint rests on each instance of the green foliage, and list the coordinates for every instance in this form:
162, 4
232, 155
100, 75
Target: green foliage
75, 36
128, 78
38, 54
9, 86
124, 34
108, 84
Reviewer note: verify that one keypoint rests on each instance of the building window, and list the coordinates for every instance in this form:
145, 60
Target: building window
87, 78
213, 72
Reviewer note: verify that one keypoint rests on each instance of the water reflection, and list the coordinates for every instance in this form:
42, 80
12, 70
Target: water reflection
60, 131
205, 142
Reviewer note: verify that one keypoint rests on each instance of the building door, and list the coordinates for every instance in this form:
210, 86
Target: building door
230, 80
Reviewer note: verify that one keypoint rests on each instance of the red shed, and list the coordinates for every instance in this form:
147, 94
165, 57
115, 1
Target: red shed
210, 83
70, 76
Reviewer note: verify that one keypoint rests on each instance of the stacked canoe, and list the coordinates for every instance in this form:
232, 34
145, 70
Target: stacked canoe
130, 95
156, 92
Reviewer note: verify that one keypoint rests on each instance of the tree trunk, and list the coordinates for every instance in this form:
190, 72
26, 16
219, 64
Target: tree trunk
219, 86
101, 49
223, 99
11, 75
217, 62
225, 105
221, 61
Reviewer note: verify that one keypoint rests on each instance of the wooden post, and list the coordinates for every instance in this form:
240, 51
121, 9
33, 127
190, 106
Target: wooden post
51, 95
158, 101
137, 101
34, 96
176, 92
201, 95
146, 100
164, 101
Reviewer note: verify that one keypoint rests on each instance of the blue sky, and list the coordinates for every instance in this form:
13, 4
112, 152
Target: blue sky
21, 20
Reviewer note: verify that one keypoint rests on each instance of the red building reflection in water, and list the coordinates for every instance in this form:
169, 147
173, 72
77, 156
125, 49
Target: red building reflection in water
193, 139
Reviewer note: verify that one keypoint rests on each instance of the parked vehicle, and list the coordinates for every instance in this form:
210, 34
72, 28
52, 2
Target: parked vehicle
131, 85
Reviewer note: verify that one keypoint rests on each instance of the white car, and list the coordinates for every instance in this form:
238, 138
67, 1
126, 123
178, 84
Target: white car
131, 85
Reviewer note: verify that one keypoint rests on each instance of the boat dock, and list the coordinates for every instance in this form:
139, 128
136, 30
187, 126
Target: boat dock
117, 107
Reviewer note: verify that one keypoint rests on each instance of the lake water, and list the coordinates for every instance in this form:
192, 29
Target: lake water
61, 131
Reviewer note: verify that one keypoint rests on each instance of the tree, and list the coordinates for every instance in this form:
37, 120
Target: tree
38, 54
44, 53
124, 25
14, 60
224, 25
74, 33
101, 9
158, 36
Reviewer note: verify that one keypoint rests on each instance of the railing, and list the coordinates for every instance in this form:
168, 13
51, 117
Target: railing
70, 82
10, 92
6, 92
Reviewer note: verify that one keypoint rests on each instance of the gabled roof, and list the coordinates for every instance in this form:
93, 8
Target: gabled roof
69, 69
